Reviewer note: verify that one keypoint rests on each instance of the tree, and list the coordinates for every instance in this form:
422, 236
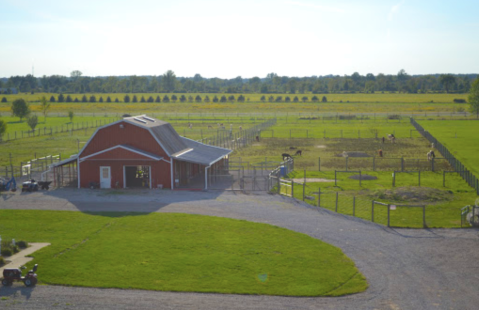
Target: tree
142, 99
4, 99
263, 98
52, 99
61, 98
474, 97
126, 99
44, 107
166, 98
117, 100
76, 100
207, 99
271, 99
150, 99
287, 99
324, 99
169, 81
101, 99
84, 98
76, 74
447, 80
314, 99
304, 99
71, 115
198, 98
3, 128
215, 99
32, 122
295, 99
92, 98
20, 108
157, 100
134, 99
108, 99
190, 98
174, 98
240, 98
223, 99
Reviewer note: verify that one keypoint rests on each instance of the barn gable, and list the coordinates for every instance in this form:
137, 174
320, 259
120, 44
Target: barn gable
123, 152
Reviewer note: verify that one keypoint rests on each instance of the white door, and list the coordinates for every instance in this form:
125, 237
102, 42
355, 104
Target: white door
105, 177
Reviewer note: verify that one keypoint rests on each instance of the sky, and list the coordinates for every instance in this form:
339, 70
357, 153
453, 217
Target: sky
230, 38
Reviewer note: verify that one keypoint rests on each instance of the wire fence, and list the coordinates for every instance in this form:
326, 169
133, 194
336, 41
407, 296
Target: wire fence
457, 165
49, 131
374, 163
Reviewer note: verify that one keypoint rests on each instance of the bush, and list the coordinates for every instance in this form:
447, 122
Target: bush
6, 252
4, 99
2, 261
394, 116
459, 100
22, 244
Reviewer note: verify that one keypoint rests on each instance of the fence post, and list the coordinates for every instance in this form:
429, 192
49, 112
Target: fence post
319, 197
354, 205
444, 178
374, 163
319, 163
402, 163
372, 212
337, 201
347, 159
432, 164
424, 216
389, 210
292, 189
335, 178
279, 184
419, 177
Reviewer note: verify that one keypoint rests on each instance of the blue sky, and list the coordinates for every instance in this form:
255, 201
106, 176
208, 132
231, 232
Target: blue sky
238, 38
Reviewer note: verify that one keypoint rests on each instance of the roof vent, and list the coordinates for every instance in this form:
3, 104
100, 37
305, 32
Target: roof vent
139, 120
148, 118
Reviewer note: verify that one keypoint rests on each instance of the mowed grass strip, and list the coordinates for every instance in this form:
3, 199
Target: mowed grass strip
180, 252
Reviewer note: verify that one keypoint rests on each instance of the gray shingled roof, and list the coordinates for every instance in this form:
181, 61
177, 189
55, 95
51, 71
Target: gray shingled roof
201, 153
178, 147
169, 139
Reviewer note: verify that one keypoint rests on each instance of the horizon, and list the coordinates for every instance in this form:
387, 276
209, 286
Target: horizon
250, 38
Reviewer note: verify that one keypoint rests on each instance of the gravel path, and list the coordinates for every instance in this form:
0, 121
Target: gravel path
406, 269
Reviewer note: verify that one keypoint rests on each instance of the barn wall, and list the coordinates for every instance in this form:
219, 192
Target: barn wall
130, 134
90, 171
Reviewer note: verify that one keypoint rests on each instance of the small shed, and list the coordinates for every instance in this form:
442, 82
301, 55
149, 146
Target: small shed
143, 152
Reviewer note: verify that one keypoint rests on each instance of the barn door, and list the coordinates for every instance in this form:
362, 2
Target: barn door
105, 177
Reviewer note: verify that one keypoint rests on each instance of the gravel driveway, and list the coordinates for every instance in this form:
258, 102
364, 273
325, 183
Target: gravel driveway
406, 269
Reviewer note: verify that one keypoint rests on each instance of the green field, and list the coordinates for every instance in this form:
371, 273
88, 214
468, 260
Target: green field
460, 137
180, 252
341, 103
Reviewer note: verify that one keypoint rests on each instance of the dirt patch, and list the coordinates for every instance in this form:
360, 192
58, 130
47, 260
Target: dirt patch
317, 180
321, 146
364, 177
353, 154
414, 194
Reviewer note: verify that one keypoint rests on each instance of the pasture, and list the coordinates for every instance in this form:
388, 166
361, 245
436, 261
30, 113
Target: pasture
181, 252
460, 137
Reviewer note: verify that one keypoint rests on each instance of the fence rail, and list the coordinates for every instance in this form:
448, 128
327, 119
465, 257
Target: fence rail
457, 165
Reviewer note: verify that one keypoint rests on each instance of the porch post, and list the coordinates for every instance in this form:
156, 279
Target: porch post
171, 172
206, 178
78, 168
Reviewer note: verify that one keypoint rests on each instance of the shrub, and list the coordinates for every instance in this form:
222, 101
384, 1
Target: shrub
4, 99
15, 249
324, 99
459, 100
22, 244
460, 109
2, 261
394, 116
6, 252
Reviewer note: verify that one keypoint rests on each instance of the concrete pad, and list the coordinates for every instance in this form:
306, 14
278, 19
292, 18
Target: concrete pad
19, 259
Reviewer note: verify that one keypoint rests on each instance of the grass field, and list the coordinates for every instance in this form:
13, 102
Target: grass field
180, 252
460, 137
341, 103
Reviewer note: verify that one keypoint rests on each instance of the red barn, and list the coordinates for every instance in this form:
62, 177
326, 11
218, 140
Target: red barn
142, 151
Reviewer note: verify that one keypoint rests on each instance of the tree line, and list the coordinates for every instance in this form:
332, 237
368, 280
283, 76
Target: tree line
76, 83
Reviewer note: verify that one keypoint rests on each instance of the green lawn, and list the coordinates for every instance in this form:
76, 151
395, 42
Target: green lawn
180, 252
460, 137
443, 204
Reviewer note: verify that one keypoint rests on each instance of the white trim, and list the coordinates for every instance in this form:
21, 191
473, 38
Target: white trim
206, 177
78, 168
171, 172
214, 162
124, 177
216, 147
123, 147
149, 174
182, 153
